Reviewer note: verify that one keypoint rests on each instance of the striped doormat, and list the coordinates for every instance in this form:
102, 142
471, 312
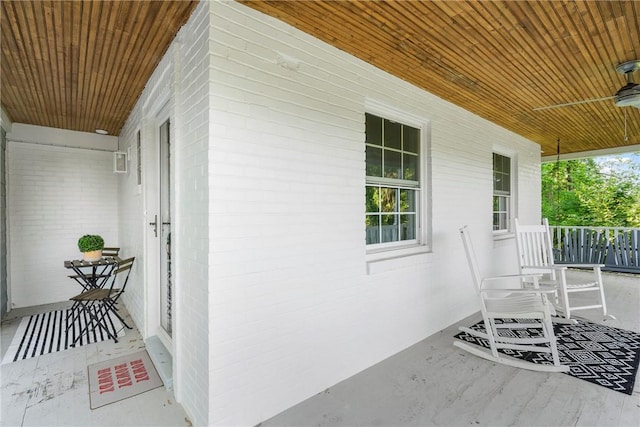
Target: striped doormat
47, 333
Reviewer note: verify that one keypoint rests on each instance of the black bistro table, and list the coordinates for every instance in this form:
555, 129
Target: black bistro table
91, 274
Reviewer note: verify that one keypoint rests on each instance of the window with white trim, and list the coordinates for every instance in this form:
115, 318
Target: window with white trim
501, 192
138, 159
393, 183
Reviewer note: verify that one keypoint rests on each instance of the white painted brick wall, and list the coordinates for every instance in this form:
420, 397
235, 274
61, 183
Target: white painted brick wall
55, 195
183, 74
192, 204
292, 309
131, 223
274, 299
133, 215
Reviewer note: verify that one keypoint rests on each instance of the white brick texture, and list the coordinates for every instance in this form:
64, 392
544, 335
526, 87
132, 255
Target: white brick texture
55, 195
276, 296
292, 308
183, 77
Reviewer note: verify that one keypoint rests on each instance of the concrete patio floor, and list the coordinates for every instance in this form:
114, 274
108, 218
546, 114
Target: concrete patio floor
430, 383
53, 389
434, 383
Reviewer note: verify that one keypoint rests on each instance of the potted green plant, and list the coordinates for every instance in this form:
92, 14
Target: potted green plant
91, 246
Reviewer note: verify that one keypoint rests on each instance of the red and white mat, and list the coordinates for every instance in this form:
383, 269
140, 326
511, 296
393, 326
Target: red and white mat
121, 378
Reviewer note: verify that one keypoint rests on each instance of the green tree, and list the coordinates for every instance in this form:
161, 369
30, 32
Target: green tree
589, 192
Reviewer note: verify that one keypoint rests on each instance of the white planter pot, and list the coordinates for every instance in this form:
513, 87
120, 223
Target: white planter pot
92, 255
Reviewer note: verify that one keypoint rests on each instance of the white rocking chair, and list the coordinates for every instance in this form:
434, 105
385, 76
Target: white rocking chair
535, 255
507, 305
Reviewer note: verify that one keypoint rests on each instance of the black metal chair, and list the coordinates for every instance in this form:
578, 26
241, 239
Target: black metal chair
92, 308
110, 252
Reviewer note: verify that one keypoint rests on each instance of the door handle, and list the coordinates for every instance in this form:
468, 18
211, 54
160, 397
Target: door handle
155, 225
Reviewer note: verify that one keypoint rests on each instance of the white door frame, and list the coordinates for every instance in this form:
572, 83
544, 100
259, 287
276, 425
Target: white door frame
153, 245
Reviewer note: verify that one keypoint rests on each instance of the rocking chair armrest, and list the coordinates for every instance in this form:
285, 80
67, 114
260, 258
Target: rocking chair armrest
546, 267
519, 291
578, 265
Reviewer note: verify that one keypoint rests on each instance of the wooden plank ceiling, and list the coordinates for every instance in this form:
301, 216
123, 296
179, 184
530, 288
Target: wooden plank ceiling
82, 65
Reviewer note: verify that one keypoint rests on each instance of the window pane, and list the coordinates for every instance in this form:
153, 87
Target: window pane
407, 200
392, 134
503, 204
411, 139
373, 229
501, 163
407, 227
389, 220
500, 221
389, 228
392, 164
138, 158
373, 125
500, 212
373, 199
501, 191
388, 200
374, 161
506, 165
506, 183
501, 173
500, 203
392, 153
498, 182
410, 167
372, 220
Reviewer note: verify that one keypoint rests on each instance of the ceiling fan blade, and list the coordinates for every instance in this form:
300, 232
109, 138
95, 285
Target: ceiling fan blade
568, 104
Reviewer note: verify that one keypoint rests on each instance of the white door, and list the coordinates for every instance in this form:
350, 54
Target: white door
158, 201
164, 227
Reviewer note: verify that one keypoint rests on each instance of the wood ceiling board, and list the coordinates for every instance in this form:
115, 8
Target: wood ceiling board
82, 65
520, 55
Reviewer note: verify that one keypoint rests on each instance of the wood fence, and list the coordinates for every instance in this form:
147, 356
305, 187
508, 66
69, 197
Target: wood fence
617, 248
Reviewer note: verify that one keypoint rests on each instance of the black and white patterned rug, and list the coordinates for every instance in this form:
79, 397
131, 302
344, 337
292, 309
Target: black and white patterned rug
47, 333
596, 353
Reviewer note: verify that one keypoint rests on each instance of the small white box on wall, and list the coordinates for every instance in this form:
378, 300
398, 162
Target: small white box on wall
119, 162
